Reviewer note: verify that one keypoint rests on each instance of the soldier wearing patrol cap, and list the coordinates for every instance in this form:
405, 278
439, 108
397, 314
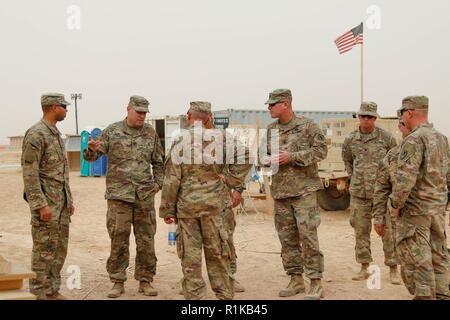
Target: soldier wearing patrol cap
362, 152
193, 196
46, 189
419, 199
384, 222
294, 189
135, 175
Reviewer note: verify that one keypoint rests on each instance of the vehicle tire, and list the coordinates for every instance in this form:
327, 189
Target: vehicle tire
330, 199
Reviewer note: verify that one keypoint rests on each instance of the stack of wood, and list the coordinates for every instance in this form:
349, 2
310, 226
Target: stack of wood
11, 281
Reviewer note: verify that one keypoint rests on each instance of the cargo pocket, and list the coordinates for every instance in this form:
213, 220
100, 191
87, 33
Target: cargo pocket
313, 218
404, 230
226, 251
408, 249
180, 242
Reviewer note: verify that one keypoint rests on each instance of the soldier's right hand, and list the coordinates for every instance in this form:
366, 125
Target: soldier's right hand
45, 214
380, 229
93, 145
170, 220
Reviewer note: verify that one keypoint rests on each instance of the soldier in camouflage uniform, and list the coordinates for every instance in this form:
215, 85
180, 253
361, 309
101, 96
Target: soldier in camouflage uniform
135, 175
419, 199
47, 191
234, 199
294, 189
383, 221
192, 196
362, 153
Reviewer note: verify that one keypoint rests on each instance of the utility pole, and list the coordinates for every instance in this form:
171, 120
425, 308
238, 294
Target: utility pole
76, 97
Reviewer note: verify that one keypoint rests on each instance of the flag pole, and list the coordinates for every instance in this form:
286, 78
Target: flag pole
362, 70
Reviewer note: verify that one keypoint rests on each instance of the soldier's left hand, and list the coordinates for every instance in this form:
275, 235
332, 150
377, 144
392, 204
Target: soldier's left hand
283, 158
71, 210
237, 198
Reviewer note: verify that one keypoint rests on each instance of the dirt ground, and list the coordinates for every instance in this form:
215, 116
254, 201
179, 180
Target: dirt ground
258, 248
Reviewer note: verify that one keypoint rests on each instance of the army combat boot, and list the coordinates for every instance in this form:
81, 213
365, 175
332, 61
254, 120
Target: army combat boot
295, 286
117, 290
393, 275
315, 291
363, 274
238, 287
147, 289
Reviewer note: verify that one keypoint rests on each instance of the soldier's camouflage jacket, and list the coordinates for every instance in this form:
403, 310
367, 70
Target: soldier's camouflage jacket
305, 142
191, 190
45, 168
422, 174
383, 186
135, 161
362, 154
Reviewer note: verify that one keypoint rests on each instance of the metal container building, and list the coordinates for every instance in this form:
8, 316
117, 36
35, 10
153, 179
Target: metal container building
262, 118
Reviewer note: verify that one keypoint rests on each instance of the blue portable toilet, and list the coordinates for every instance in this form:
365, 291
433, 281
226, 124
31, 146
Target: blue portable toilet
97, 167
85, 166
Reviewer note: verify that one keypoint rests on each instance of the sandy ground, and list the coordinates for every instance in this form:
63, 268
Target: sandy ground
259, 263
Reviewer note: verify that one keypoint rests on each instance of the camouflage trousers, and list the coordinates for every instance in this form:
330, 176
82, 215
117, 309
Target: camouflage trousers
208, 232
230, 226
50, 242
422, 250
296, 221
361, 222
121, 216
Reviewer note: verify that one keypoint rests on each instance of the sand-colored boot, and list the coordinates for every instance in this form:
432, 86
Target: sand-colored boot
295, 286
393, 275
315, 291
238, 287
363, 274
117, 290
147, 289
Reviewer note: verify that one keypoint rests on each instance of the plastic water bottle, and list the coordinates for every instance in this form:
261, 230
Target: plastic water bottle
172, 235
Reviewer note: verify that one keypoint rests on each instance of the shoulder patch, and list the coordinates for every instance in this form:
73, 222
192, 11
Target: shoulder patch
407, 151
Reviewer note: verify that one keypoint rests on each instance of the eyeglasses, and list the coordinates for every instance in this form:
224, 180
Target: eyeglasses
403, 111
367, 117
62, 106
274, 104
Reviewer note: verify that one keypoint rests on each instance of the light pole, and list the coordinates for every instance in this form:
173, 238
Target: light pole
76, 96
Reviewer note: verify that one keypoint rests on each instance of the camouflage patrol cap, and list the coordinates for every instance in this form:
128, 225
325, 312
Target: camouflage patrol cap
279, 95
368, 108
139, 103
200, 106
48, 99
414, 103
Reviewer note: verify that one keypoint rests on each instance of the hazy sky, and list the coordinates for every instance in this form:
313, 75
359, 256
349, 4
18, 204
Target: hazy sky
231, 53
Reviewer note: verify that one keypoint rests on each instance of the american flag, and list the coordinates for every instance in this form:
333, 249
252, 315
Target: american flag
348, 40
